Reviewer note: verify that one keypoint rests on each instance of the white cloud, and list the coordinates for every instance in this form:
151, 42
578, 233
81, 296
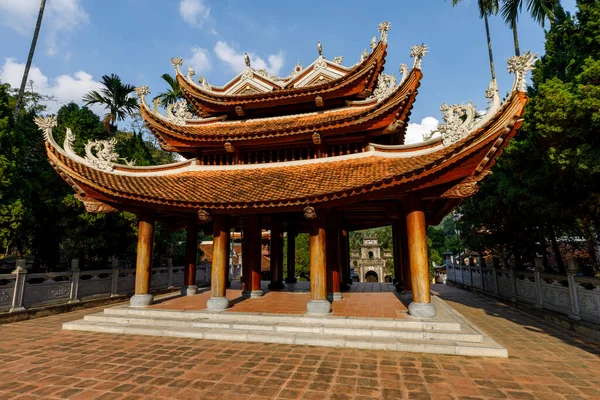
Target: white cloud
59, 16
415, 132
194, 12
235, 60
64, 88
199, 60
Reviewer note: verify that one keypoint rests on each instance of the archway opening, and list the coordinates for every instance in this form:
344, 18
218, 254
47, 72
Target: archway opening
371, 276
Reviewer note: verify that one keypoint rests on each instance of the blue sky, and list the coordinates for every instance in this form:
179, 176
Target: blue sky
81, 40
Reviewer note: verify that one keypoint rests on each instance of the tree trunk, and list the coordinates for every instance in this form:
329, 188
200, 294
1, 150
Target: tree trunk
515, 37
489, 43
29, 60
559, 260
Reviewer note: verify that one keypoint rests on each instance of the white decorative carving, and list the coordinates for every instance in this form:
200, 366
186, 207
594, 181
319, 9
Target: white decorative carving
248, 74
320, 63
519, 65
385, 86
494, 104
105, 155
363, 56
373, 43
319, 48
403, 73
383, 28
176, 62
45, 124
590, 303
60, 291
142, 91
297, 69
338, 60
191, 73
457, 121
4, 296
179, 112
418, 52
247, 60
204, 83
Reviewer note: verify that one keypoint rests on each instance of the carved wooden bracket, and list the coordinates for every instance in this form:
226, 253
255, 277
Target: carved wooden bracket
467, 187
95, 206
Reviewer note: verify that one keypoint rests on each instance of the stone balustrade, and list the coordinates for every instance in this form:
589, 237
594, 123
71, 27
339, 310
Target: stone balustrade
21, 290
577, 297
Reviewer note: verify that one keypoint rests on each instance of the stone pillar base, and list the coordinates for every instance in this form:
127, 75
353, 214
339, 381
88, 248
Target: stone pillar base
276, 285
141, 300
217, 303
256, 293
421, 310
291, 280
335, 296
318, 307
189, 290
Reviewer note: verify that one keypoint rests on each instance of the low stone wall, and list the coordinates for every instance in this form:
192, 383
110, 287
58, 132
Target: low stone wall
577, 297
21, 290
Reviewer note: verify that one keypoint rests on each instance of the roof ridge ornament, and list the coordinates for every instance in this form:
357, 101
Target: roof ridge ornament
458, 119
373, 43
383, 28
338, 60
247, 60
190, 73
179, 112
319, 48
99, 154
403, 72
177, 62
520, 65
363, 56
45, 124
418, 52
385, 86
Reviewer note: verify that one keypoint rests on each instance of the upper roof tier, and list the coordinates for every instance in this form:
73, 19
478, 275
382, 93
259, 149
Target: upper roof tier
323, 83
384, 112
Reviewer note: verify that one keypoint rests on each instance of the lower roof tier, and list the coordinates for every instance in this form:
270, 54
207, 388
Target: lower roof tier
437, 169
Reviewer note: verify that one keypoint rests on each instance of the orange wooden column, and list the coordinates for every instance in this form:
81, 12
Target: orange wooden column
191, 254
291, 256
333, 259
276, 254
220, 261
254, 240
143, 264
318, 267
419, 263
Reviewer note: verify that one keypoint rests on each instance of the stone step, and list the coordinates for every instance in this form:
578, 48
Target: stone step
488, 347
295, 327
444, 323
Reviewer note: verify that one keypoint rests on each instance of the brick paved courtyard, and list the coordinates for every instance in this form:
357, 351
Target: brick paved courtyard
39, 360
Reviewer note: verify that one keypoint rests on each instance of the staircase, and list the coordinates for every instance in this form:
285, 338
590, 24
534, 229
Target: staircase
448, 333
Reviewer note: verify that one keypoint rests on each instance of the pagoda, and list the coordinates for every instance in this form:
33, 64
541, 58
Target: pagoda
319, 151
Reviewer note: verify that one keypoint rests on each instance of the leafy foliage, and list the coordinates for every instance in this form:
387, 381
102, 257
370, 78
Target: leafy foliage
115, 97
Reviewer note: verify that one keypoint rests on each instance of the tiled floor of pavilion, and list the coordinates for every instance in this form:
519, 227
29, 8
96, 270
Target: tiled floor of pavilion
40, 360
376, 300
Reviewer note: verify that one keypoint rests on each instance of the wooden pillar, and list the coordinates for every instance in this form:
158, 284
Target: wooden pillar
419, 263
218, 282
276, 251
291, 256
191, 254
333, 258
318, 266
143, 264
254, 256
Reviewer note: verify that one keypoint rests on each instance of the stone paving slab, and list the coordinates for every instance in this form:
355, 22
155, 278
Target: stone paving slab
39, 360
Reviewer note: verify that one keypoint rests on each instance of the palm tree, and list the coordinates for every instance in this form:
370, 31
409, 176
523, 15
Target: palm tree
115, 98
29, 59
486, 8
172, 94
538, 9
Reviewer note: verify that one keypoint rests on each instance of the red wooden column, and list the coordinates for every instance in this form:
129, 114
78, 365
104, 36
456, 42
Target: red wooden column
191, 254
143, 264
318, 267
333, 258
276, 251
291, 256
419, 263
254, 240
220, 259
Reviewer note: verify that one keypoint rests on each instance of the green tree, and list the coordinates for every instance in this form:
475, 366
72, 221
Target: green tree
172, 94
538, 9
116, 99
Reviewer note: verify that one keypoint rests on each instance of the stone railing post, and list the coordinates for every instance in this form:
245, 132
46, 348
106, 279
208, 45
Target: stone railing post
572, 269
539, 267
114, 286
494, 289
170, 273
513, 281
75, 271
20, 273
